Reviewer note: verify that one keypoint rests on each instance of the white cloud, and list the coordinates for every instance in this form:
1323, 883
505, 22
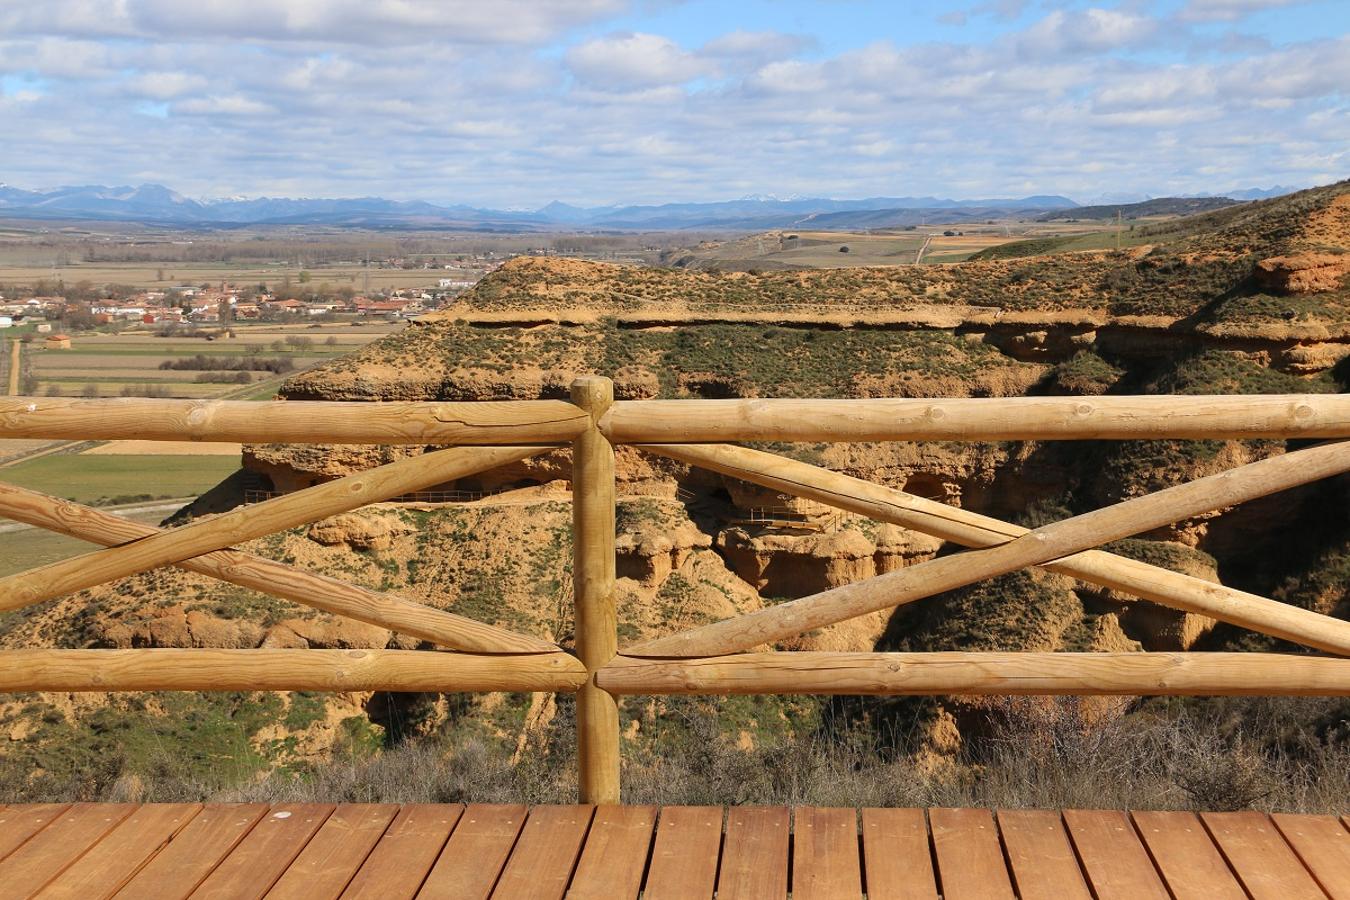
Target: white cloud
624, 62
1089, 30
1228, 10
385, 22
402, 99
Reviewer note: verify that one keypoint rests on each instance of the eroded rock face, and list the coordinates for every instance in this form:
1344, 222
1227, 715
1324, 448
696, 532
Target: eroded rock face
360, 532
1304, 273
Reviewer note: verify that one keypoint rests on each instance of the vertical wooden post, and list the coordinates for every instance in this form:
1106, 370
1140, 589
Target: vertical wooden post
593, 576
14, 346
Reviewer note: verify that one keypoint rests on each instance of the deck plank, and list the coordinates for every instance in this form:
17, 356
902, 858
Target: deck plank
1117, 865
270, 846
1043, 864
115, 860
1323, 844
615, 856
475, 854
546, 853
195, 851
400, 862
825, 854
1184, 853
1262, 859
897, 854
685, 855
65, 839
754, 854
970, 860
18, 823
332, 857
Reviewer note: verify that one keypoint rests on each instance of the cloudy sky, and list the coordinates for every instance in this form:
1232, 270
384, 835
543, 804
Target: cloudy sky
513, 103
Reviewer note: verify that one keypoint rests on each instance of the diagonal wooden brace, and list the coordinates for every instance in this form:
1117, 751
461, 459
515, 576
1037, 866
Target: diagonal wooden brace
219, 532
271, 577
1042, 545
970, 529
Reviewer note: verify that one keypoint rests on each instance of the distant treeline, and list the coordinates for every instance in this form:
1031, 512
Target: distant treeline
202, 363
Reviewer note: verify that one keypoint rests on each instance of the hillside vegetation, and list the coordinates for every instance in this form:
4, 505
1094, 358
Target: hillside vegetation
1249, 299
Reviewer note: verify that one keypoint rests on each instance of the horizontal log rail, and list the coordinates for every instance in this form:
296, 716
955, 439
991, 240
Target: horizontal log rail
270, 577
980, 673
712, 659
970, 529
679, 421
984, 419
291, 421
285, 670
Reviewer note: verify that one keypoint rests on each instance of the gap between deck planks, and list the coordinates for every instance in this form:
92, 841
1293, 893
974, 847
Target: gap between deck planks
477, 852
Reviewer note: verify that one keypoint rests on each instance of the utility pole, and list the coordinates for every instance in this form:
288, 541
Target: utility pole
1118, 227
14, 346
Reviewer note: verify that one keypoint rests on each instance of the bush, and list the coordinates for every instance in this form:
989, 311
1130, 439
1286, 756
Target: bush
201, 362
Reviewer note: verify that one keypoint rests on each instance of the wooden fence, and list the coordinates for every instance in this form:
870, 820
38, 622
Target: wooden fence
720, 658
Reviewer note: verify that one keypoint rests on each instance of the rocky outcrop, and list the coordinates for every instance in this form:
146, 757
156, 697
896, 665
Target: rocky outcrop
1304, 273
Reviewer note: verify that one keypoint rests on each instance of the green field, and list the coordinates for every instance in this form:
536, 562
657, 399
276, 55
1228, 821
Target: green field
114, 364
103, 479
23, 549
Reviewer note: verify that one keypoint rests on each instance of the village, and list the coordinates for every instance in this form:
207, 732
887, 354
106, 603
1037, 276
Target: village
219, 304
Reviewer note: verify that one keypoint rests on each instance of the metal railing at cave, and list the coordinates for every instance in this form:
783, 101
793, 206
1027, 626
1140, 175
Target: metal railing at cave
719, 658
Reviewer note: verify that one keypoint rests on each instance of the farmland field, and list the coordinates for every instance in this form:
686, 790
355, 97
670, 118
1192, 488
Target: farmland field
100, 478
23, 548
109, 365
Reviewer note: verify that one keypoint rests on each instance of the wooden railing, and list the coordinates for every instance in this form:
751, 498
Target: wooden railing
720, 658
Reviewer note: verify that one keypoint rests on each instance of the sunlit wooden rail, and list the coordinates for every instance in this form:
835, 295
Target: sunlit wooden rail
453, 852
731, 656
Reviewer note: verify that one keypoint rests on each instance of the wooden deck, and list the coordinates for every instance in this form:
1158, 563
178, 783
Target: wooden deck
386, 851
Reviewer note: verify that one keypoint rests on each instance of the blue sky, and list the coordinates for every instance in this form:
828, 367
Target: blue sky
515, 103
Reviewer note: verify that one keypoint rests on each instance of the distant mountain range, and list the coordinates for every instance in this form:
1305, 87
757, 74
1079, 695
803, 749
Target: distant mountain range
154, 204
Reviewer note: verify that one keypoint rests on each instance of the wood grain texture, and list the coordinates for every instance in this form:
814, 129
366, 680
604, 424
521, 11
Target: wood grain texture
64, 840
997, 419
1040, 856
271, 577
401, 861
615, 855
199, 669
980, 672
107, 866
545, 855
473, 858
593, 579
246, 523
194, 853
825, 863
1116, 863
754, 854
336, 852
264, 854
1186, 857
969, 858
20, 822
291, 421
1264, 862
897, 854
1050, 542
970, 529
1323, 844
685, 855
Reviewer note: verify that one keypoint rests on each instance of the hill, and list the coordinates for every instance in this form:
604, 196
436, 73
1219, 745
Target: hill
1246, 299
1159, 206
